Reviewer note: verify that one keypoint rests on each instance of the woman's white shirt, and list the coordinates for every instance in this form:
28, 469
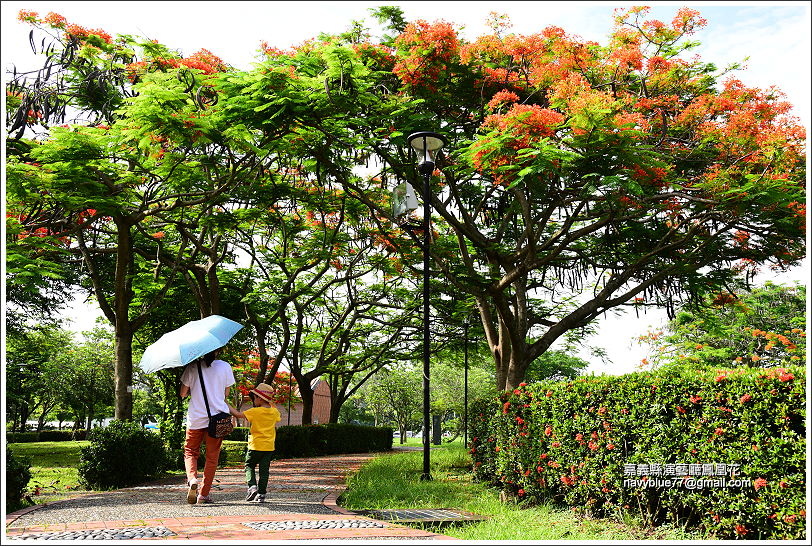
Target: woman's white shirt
217, 377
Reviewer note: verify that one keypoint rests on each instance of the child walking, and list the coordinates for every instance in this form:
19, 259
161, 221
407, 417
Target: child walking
262, 419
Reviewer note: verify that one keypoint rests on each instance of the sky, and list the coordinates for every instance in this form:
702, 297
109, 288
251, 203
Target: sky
772, 38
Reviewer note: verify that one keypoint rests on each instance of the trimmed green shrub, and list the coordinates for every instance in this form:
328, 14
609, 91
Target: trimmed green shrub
120, 455
330, 438
46, 436
345, 438
238, 434
62, 435
18, 474
22, 437
607, 445
312, 440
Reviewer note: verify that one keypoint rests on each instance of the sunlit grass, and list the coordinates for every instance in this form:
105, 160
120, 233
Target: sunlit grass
392, 481
54, 472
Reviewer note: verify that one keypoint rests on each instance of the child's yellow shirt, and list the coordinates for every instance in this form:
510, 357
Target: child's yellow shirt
262, 434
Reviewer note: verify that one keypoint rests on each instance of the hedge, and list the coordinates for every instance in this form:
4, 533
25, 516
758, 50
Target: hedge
46, 436
327, 439
595, 444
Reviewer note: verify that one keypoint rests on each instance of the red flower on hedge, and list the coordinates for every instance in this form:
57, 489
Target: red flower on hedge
695, 399
548, 431
719, 431
786, 377
741, 530
680, 409
746, 398
610, 446
521, 492
592, 445
759, 483
556, 444
790, 518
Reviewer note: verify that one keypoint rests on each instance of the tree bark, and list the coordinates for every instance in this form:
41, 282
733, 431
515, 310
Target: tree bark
307, 400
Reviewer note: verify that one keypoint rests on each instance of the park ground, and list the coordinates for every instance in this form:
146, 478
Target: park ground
392, 481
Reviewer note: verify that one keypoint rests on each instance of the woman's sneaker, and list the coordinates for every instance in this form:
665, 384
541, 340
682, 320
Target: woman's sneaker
252, 493
260, 498
191, 494
204, 500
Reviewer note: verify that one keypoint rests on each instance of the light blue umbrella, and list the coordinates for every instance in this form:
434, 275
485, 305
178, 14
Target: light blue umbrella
189, 342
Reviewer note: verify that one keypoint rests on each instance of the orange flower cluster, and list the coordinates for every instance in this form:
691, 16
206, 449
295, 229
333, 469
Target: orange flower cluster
501, 98
525, 122
429, 48
203, 60
54, 20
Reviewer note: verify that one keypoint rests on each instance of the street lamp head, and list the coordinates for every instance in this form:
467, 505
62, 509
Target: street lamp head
426, 144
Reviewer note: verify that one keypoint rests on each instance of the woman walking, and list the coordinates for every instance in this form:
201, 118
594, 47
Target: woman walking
217, 378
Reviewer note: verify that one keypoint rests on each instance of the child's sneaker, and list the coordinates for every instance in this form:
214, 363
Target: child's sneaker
260, 498
204, 500
252, 493
191, 494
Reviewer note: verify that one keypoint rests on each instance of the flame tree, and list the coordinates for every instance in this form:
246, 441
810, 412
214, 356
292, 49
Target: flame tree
579, 177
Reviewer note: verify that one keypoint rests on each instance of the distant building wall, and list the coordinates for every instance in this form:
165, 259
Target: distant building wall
321, 408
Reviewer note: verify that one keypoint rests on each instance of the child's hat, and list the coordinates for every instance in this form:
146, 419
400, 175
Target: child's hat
264, 391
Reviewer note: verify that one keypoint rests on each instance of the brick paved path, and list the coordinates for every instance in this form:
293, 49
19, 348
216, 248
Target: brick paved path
300, 504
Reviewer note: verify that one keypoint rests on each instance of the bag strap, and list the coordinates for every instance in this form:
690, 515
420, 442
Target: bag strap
203, 387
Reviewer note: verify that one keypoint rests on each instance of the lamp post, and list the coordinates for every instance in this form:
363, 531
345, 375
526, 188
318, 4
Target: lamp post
465, 392
426, 145
290, 392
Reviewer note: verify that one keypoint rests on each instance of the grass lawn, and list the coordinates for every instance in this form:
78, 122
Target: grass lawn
392, 481
54, 467
54, 473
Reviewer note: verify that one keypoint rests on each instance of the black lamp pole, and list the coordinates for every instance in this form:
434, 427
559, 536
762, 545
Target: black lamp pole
465, 395
290, 392
426, 144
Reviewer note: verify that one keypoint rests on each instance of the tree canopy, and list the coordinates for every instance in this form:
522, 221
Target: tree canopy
578, 177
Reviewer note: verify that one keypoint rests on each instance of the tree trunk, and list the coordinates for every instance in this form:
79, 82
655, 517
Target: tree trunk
307, 402
124, 371
24, 414
335, 409
41, 421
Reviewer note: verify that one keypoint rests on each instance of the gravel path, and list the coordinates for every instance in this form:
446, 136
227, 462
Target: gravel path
295, 487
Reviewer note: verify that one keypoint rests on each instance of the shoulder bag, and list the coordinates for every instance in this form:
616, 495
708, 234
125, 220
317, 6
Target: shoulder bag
220, 424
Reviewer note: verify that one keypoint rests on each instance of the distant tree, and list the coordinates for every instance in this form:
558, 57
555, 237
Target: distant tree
448, 387
759, 328
34, 373
398, 392
555, 364
86, 376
